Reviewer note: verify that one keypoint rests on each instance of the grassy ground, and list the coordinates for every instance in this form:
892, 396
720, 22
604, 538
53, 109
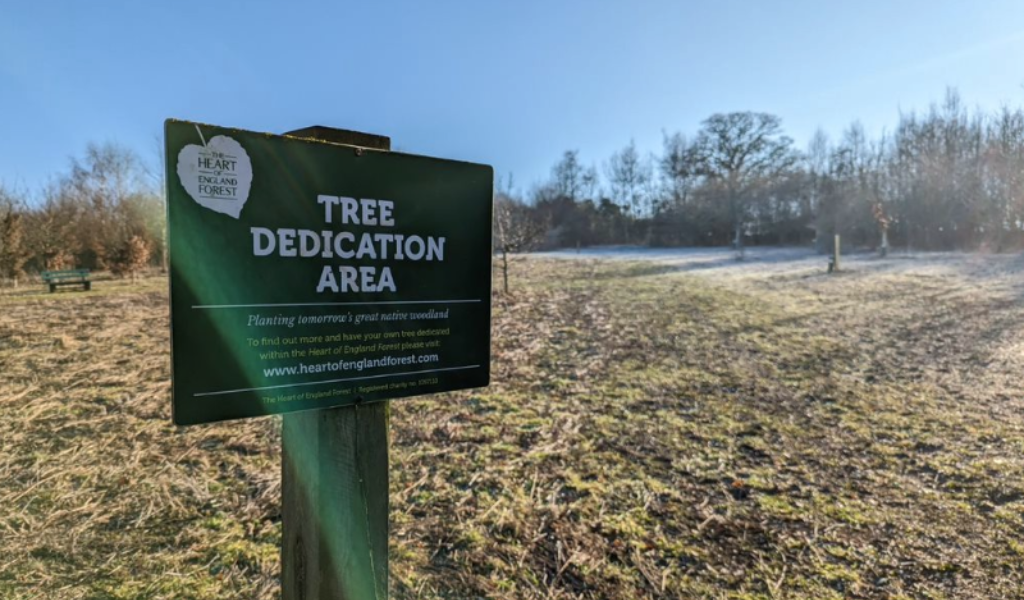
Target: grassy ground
652, 432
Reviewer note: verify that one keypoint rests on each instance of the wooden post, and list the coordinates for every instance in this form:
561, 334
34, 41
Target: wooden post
835, 254
334, 478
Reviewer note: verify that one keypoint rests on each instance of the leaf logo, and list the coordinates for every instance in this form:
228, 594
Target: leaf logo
217, 174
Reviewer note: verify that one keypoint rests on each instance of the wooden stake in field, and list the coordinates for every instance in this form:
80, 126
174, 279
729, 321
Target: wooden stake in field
835, 254
334, 477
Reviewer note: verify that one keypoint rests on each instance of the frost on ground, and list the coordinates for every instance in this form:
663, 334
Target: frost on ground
787, 263
661, 424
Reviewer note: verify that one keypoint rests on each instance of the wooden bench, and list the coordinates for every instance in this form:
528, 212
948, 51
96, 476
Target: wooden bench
69, 277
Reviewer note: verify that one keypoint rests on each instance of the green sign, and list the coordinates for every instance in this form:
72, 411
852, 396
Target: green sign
306, 274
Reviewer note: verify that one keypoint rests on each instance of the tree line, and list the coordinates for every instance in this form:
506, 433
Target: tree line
104, 213
944, 179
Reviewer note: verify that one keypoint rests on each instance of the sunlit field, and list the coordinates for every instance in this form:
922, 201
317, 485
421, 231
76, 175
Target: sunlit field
661, 424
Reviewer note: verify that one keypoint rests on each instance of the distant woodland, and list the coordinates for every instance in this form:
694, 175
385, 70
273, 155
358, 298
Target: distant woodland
946, 179
105, 213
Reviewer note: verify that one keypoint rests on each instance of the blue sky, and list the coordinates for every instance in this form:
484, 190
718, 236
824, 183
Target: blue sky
512, 84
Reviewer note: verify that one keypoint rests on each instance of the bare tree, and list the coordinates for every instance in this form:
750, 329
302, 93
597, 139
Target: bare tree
1004, 175
738, 152
630, 177
516, 228
14, 251
679, 168
53, 235
103, 186
572, 180
161, 189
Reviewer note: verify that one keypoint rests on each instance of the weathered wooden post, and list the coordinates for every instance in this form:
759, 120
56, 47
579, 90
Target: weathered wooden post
334, 480
835, 254
318, 275
335, 504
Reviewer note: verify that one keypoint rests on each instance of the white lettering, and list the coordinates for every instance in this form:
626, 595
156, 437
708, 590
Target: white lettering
369, 211
286, 242
435, 247
386, 206
366, 247
344, 235
328, 202
418, 252
309, 243
349, 206
383, 239
348, 279
386, 281
327, 280
327, 243
398, 247
266, 234
367, 279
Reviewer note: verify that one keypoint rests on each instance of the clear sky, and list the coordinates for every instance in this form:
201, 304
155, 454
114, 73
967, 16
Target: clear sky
510, 83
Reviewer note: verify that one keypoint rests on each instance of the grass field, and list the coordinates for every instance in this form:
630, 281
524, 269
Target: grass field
659, 426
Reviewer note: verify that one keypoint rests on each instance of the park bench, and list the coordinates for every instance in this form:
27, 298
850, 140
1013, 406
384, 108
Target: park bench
69, 277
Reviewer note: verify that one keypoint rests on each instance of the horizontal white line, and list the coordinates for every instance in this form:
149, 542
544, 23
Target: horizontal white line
334, 304
288, 385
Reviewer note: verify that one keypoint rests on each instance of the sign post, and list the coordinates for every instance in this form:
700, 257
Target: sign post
335, 504
334, 484
318, 274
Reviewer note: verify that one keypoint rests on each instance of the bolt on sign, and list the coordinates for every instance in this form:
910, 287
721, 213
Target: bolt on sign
307, 274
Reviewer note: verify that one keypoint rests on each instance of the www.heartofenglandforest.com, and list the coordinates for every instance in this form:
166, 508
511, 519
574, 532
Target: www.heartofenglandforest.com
351, 365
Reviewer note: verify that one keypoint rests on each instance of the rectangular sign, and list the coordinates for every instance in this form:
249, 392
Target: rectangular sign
307, 275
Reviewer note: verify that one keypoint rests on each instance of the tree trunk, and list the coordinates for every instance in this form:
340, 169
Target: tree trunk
504, 269
738, 241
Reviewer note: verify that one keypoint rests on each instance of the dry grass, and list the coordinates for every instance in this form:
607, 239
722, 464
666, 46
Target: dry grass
651, 433
101, 496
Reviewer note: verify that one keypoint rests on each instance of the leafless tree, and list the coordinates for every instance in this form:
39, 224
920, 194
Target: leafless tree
107, 185
679, 168
572, 180
53, 230
738, 152
517, 228
14, 251
629, 177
